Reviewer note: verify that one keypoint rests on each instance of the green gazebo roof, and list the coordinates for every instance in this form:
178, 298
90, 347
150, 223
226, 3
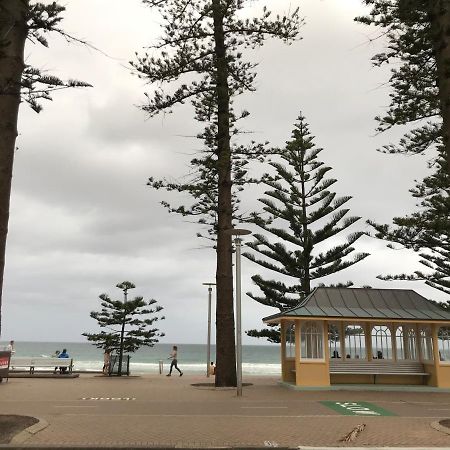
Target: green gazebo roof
363, 303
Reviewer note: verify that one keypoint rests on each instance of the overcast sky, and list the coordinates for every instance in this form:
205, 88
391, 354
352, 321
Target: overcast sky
83, 219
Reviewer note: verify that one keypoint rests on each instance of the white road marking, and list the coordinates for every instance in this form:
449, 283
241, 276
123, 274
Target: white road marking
264, 407
74, 406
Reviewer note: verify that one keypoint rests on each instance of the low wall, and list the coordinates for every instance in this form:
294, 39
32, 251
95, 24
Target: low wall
379, 379
312, 374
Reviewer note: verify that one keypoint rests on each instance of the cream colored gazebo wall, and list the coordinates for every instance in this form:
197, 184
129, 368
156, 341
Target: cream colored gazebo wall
441, 369
317, 372
311, 372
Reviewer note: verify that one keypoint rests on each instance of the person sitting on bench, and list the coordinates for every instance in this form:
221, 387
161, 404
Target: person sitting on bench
63, 354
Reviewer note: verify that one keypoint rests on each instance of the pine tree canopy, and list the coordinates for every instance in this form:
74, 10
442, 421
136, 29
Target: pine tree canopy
418, 50
414, 99
184, 65
301, 213
40, 19
426, 231
137, 316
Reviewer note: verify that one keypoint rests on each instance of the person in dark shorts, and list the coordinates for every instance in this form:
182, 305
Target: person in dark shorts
63, 354
174, 363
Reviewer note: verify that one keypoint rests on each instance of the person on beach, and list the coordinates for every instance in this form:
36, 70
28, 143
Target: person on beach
212, 368
10, 347
63, 354
106, 361
174, 363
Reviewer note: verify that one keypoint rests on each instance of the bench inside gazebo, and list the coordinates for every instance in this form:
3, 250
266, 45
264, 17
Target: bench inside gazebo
364, 336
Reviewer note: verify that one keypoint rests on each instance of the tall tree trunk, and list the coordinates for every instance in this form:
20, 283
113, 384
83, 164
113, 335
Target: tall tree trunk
440, 28
305, 281
13, 34
225, 348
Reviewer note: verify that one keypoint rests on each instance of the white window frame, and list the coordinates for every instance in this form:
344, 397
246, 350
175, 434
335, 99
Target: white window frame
289, 346
315, 329
334, 345
426, 337
352, 349
444, 344
380, 335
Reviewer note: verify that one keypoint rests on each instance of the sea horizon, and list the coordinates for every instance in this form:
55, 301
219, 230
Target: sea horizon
257, 359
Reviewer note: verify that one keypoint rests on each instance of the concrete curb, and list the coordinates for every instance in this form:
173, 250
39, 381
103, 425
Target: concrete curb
24, 435
134, 447
373, 448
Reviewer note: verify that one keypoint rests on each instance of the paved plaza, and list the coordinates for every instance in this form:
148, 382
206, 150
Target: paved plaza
169, 412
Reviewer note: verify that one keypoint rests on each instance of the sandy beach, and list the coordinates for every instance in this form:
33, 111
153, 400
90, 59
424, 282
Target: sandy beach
156, 410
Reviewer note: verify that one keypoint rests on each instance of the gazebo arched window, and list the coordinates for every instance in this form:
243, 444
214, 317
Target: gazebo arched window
411, 344
444, 343
334, 341
400, 341
290, 340
381, 342
426, 344
355, 342
311, 340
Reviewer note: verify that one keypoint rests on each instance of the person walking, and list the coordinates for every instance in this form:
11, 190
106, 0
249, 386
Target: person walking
10, 347
174, 363
106, 361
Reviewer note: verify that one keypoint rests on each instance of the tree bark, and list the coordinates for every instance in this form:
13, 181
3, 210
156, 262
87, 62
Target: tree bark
305, 281
13, 34
225, 348
440, 28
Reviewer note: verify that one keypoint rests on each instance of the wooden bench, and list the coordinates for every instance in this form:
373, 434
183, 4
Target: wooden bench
376, 367
41, 363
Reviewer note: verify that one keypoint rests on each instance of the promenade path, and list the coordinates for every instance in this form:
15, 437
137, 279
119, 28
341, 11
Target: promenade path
170, 412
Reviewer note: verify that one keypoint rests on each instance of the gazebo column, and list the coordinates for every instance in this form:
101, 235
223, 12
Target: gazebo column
298, 345
368, 340
283, 349
342, 338
287, 362
406, 352
443, 367
393, 328
438, 379
325, 344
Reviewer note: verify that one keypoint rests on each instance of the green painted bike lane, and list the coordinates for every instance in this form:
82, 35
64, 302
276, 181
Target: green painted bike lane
363, 409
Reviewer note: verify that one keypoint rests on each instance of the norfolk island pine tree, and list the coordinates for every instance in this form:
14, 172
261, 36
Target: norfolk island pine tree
204, 40
419, 52
297, 203
22, 20
132, 332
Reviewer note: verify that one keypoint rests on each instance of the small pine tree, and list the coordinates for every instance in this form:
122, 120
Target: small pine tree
133, 332
297, 199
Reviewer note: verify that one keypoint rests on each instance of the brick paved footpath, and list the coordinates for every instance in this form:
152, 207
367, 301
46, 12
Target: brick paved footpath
170, 412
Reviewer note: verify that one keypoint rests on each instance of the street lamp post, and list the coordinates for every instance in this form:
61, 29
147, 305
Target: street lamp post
208, 347
237, 232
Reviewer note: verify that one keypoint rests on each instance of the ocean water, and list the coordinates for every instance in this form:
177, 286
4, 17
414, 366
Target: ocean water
256, 359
